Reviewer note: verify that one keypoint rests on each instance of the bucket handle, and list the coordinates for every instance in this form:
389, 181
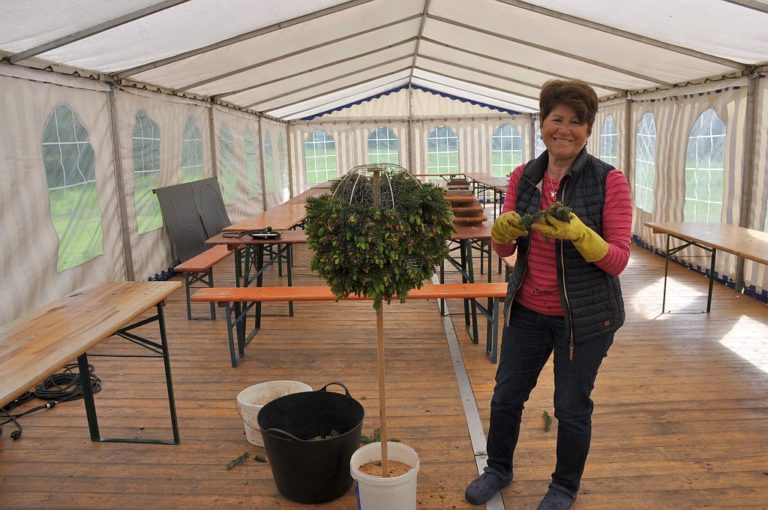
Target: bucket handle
346, 390
287, 434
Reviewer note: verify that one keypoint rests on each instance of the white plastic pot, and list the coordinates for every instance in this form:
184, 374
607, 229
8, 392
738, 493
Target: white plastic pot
377, 493
253, 398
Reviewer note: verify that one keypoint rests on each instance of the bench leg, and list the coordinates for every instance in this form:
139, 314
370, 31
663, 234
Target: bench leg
187, 284
231, 325
210, 284
289, 262
190, 278
492, 343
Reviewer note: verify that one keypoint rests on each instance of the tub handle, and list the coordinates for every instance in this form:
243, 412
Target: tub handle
346, 390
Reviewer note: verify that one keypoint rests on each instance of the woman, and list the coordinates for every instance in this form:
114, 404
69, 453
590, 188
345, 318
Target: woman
563, 294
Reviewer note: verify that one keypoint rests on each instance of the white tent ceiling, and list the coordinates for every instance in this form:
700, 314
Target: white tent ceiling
294, 58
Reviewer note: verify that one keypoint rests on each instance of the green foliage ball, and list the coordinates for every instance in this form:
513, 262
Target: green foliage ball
379, 252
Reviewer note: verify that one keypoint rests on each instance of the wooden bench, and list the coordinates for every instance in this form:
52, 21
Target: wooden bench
200, 269
239, 300
37, 345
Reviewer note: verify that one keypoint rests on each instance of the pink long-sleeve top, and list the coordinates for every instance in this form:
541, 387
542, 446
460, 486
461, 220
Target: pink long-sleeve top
539, 290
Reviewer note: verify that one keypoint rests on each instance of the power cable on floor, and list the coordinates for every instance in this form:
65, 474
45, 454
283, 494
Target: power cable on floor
56, 388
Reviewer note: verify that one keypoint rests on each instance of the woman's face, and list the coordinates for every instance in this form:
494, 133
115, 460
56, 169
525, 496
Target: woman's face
563, 134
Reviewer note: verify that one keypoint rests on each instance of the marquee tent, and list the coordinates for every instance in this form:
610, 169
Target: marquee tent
102, 102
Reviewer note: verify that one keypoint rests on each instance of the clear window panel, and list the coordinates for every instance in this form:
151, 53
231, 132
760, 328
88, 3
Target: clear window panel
146, 173
69, 163
704, 169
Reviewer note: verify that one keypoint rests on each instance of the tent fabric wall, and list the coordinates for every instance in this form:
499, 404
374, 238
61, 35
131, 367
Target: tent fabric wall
276, 177
242, 126
617, 110
351, 140
757, 274
673, 127
152, 251
28, 241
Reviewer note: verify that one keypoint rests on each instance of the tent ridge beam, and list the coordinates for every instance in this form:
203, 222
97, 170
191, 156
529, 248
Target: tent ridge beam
750, 4
330, 80
565, 54
487, 73
492, 101
490, 98
90, 31
294, 53
521, 66
484, 85
242, 37
346, 98
316, 68
624, 34
424, 14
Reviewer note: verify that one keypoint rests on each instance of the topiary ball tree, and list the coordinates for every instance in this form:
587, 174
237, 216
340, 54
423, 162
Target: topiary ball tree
379, 233
378, 251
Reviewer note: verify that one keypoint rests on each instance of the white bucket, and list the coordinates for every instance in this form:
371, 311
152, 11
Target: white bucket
377, 493
253, 398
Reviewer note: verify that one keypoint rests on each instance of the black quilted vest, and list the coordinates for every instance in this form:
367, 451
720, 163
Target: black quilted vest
591, 298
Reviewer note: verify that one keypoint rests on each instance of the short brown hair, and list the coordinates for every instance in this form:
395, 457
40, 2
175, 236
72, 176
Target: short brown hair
573, 93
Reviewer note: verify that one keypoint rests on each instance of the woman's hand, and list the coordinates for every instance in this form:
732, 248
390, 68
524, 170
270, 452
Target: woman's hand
591, 246
507, 228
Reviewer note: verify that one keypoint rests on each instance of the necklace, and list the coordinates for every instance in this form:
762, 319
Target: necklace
553, 186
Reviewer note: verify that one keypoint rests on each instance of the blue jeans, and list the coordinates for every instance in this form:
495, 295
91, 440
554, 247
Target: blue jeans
526, 346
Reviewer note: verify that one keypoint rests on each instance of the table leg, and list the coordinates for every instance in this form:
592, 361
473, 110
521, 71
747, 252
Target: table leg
666, 272
711, 279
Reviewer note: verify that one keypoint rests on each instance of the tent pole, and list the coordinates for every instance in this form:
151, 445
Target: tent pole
261, 166
410, 130
748, 183
212, 141
291, 180
122, 207
628, 165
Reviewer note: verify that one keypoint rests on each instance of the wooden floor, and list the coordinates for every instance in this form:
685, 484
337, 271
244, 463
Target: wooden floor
681, 417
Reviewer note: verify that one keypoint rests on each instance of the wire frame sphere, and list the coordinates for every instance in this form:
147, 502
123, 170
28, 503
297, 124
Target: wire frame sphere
357, 186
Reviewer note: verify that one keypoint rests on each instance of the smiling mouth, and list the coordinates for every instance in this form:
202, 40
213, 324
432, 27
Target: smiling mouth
562, 140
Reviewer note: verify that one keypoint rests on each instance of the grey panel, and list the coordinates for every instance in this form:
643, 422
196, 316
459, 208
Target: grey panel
182, 220
210, 205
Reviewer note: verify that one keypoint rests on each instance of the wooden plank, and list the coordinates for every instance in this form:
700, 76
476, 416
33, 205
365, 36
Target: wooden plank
680, 417
205, 260
324, 293
34, 346
743, 242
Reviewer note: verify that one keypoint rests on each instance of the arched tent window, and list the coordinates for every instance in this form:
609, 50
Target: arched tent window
191, 152
320, 157
609, 142
645, 162
269, 163
253, 178
704, 169
68, 159
539, 146
506, 150
146, 173
383, 146
282, 163
442, 151
227, 165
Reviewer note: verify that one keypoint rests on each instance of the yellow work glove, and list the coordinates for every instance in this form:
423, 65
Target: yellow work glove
507, 228
591, 246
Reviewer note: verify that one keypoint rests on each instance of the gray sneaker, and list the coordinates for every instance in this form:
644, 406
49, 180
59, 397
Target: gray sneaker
556, 499
485, 486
